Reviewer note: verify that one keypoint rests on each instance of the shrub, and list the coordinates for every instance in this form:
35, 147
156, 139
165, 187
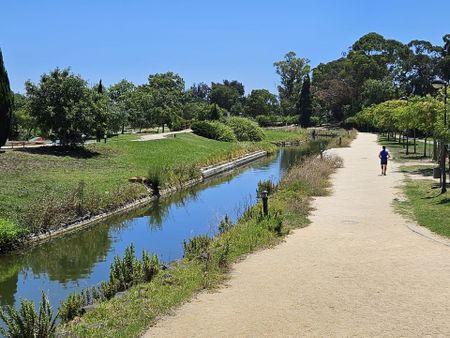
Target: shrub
269, 120
156, 178
314, 121
27, 322
245, 129
10, 235
225, 224
196, 247
123, 274
267, 185
214, 130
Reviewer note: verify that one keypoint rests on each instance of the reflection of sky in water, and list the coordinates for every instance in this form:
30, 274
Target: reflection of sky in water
82, 259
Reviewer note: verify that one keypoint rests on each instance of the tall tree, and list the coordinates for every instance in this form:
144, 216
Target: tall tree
120, 95
227, 95
292, 71
260, 102
167, 96
6, 103
199, 92
305, 103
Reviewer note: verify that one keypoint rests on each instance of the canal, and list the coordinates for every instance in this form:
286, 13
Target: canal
81, 259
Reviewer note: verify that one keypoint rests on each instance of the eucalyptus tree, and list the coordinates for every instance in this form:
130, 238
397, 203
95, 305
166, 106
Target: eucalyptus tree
292, 71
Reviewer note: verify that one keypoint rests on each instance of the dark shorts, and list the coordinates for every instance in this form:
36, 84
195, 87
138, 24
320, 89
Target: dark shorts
384, 162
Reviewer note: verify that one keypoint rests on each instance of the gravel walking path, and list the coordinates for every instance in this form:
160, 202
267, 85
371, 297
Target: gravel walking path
357, 270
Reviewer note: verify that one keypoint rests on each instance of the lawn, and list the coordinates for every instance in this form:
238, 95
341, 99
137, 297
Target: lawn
30, 174
427, 205
399, 153
285, 134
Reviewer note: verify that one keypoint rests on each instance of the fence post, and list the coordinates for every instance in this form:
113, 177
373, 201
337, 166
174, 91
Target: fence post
265, 202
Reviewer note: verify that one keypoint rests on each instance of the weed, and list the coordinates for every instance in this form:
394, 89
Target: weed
27, 322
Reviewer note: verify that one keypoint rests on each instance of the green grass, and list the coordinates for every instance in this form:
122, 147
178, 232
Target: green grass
285, 134
399, 153
131, 314
427, 205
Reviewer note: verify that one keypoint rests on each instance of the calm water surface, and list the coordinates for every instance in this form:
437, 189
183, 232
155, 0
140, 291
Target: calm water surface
82, 259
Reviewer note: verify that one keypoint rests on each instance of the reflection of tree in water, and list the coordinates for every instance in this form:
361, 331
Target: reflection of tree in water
9, 275
293, 155
158, 210
71, 257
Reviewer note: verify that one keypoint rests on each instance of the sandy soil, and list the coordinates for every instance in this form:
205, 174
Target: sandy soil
356, 271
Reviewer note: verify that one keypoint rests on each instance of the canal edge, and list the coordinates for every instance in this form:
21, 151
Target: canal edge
206, 173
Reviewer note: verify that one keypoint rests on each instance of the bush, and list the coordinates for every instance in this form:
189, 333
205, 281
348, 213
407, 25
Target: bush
269, 120
245, 129
123, 274
225, 225
10, 235
27, 322
196, 247
214, 130
267, 185
314, 121
156, 178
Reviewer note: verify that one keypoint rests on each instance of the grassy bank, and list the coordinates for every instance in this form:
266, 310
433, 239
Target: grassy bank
205, 265
427, 206
45, 187
424, 203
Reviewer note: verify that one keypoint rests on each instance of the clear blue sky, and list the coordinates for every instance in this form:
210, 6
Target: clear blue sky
201, 40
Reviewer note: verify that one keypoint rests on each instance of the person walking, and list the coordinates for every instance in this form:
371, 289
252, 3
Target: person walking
383, 156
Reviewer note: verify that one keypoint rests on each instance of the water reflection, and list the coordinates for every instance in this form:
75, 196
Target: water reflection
82, 259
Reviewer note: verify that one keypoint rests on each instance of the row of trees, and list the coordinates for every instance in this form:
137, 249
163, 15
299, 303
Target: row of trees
415, 116
63, 106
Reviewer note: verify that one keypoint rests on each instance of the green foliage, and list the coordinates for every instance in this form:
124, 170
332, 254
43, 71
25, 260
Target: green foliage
214, 130
197, 247
27, 322
6, 103
124, 273
245, 129
315, 121
305, 103
52, 211
156, 178
225, 224
292, 71
226, 95
10, 235
265, 185
261, 102
62, 105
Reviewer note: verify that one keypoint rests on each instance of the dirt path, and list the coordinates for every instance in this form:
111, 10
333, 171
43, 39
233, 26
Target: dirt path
160, 136
357, 270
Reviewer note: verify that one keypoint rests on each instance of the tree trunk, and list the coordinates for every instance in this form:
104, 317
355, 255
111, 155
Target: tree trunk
425, 148
435, 150
123, 128
415, 147
407, 144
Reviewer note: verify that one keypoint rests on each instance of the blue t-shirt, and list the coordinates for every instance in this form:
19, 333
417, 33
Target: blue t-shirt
384, 154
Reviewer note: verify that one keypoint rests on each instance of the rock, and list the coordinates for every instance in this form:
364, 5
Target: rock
88, 308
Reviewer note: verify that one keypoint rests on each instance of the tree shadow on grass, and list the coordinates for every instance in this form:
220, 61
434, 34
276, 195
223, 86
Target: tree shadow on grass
445, 201
75, 152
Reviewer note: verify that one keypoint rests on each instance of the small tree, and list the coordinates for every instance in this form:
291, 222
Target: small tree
6, 103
